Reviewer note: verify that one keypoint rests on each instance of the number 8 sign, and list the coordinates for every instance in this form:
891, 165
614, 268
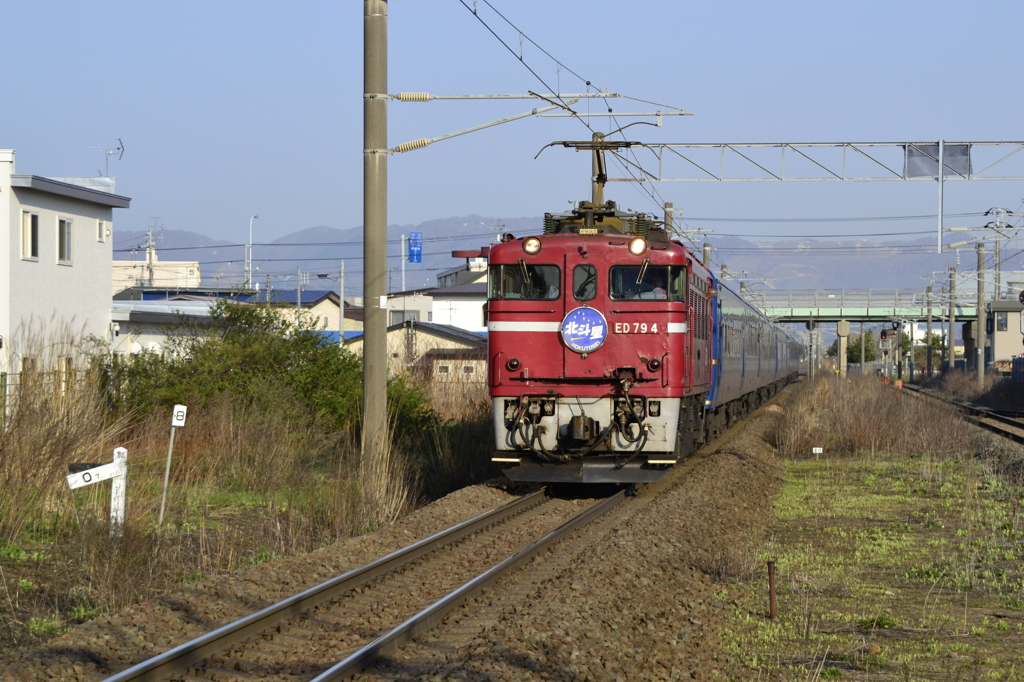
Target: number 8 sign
178, 416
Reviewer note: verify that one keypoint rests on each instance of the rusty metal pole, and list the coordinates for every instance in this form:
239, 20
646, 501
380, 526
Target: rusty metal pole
951, 343
928, 302
979, 324
771, 590
375, 225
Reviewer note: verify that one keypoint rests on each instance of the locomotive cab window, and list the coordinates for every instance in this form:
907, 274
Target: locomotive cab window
657, 282
584, 282
523, 281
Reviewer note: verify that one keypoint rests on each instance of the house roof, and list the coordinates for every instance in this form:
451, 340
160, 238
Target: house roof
474, 289
66, 189
446, 331
160, 312
310, 297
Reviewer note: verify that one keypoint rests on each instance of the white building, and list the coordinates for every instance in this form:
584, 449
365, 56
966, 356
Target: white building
154, 272
56, 261
460, 306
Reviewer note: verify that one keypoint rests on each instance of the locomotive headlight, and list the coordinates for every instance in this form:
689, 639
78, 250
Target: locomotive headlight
531, 245
637, 246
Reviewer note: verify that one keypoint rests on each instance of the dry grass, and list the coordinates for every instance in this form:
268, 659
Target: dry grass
246, 486
863, 415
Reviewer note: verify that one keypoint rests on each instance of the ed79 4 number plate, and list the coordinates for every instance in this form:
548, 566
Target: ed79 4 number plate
635, 328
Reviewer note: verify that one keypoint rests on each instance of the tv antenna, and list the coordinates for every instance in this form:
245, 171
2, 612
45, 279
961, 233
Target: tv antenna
107, 152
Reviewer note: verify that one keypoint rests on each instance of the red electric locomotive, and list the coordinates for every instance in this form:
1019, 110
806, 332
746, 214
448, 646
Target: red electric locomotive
611, 354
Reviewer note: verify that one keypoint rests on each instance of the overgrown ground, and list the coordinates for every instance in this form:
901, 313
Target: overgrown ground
267, 466
899, 549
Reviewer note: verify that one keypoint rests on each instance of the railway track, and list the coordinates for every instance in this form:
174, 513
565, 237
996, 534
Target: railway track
370, 611
1001, 424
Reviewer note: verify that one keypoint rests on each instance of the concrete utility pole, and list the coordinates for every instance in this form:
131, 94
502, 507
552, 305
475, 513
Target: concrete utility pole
668, 217
341, 297
375, 225
707, 255
863, 342
843, 332
979, 325
928, 302
951, 342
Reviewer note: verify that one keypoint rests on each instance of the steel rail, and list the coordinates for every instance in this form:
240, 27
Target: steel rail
976, 415
203, 647
432, 615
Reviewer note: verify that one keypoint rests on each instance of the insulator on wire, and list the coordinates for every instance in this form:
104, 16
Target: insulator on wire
409, 146
414, 97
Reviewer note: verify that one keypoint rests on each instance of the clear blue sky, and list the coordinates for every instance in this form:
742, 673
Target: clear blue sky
228, 109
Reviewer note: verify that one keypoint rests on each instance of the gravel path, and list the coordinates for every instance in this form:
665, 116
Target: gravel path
629, 598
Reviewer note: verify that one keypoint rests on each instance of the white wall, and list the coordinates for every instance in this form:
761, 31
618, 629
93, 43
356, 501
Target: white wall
464, 312
43, 289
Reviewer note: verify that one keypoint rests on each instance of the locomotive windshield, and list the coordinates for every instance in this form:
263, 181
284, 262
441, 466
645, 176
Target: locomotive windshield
584, 282
658, 282
522, 281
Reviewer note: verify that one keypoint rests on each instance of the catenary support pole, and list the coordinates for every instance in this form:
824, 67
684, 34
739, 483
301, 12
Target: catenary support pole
941, 174
375, 225
341, 301
707, 255
979, 324
951, 343
403, 258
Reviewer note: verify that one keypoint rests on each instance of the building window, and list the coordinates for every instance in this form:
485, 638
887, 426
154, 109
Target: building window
63, 241
101, 231
442, 369
1001, 322
468, 369
29, 235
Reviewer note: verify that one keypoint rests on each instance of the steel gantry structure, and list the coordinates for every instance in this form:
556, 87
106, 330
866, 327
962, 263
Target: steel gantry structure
824, 161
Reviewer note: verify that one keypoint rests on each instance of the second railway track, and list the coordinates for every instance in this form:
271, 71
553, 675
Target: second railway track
991, 420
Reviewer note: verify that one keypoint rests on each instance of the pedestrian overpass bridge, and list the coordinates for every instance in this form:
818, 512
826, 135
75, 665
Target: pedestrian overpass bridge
858, 305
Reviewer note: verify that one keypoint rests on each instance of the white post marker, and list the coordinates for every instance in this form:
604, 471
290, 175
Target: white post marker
117, 471
177, 419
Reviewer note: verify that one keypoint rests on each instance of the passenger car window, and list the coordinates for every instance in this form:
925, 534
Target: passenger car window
584, 282
523, 281
651, 282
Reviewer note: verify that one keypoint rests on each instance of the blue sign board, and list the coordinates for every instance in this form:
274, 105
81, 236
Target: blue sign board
584, 330
415, 247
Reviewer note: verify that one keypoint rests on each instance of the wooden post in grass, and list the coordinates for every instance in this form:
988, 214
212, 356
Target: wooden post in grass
771, 590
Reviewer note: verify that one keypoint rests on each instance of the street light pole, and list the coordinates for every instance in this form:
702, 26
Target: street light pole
248, 256
375, 225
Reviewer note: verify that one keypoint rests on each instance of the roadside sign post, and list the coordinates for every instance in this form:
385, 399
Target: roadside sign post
81, 475
177, 419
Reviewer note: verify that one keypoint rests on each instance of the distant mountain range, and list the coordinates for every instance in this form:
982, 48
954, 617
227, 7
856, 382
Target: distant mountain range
790, 264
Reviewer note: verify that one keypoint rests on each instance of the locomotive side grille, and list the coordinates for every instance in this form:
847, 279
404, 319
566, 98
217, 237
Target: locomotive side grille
699, 310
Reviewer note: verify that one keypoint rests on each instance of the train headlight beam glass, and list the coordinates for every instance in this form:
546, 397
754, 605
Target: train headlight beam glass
637, 246
531, 245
